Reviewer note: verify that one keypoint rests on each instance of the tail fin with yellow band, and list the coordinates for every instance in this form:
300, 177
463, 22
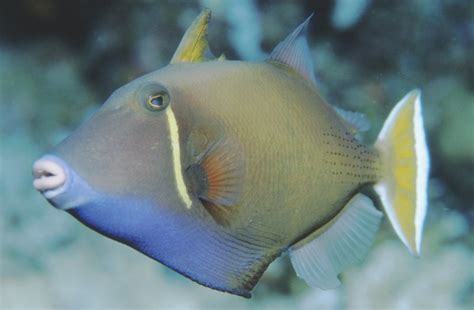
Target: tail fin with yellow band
403, 187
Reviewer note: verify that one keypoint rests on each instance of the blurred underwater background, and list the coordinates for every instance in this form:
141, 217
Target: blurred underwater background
59, 60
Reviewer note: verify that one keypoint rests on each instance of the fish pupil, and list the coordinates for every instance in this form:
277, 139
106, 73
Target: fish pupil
157, 101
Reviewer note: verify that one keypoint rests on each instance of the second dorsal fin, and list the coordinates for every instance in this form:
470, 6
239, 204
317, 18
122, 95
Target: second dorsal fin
294, 52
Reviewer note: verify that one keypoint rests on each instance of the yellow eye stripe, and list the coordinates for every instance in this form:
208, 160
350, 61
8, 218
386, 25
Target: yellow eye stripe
176, 153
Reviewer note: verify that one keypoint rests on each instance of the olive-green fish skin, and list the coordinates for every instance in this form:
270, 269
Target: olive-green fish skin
300, 158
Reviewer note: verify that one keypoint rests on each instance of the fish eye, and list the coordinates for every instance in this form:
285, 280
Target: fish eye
154, 97
157, 102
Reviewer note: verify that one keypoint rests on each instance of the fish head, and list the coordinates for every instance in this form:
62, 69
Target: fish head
126, 160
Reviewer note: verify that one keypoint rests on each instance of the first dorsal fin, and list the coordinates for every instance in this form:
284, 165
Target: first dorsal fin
294, 52
194, 46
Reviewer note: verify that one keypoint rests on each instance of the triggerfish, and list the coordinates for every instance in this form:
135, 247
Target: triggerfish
216, 167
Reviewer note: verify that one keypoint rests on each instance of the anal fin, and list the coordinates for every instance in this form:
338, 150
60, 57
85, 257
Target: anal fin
345, 243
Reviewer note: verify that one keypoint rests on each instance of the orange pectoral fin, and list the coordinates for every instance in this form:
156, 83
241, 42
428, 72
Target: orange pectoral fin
218, 179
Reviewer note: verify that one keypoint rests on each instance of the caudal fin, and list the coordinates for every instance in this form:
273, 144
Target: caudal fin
403, 187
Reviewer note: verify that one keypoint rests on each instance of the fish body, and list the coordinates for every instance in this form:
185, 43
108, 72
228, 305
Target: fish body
296, 131
217, 167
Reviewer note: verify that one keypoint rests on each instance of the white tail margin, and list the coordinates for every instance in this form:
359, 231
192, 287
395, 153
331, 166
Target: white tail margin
403, 188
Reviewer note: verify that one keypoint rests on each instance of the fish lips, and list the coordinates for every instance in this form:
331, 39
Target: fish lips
73, 191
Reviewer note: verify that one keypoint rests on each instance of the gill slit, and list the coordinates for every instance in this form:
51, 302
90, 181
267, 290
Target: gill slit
176, 153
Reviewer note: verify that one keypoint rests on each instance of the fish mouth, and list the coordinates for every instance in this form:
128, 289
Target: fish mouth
51, 176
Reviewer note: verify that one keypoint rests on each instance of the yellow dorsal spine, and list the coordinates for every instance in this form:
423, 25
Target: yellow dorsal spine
194, 46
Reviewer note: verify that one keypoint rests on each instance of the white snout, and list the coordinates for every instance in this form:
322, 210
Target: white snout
48, 175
